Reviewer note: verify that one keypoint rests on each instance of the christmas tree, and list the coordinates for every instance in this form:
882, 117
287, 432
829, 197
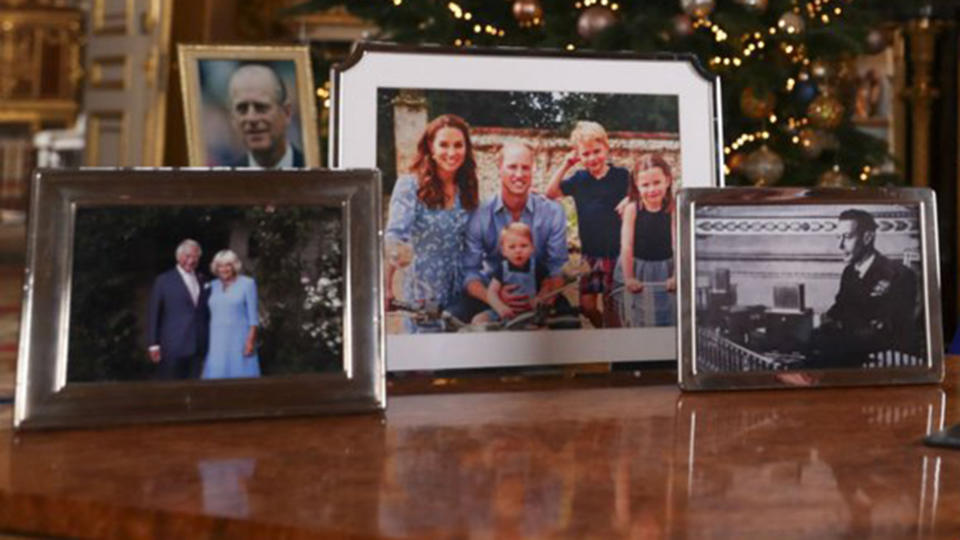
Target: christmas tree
787, 108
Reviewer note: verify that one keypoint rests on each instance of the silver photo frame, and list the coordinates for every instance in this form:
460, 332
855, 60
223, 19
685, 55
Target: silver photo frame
98, 237
385, 97
799, 287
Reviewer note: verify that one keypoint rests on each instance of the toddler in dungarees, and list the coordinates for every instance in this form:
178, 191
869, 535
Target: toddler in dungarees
517, 268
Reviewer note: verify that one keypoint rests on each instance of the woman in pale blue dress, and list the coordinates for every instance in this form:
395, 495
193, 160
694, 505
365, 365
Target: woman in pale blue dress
233, 321
429, 209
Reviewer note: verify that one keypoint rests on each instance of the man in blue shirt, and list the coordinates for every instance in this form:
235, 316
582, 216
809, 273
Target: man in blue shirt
515, 202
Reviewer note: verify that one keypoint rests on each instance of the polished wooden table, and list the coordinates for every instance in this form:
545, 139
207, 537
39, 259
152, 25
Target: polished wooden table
586, 460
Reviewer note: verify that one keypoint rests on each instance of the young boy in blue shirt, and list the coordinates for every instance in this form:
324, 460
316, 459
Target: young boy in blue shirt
597, 188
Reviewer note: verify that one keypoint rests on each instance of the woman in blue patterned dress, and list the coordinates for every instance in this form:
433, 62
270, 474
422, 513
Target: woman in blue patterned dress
429, 209
233, 321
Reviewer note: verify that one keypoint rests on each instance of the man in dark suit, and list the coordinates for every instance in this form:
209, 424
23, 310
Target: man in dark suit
876, 306
261, 111
178, 317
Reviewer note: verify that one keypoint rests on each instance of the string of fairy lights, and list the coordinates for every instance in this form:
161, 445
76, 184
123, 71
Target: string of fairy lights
784, 33
783, 36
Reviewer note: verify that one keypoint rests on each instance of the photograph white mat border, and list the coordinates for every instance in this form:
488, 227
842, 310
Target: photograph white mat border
353, 143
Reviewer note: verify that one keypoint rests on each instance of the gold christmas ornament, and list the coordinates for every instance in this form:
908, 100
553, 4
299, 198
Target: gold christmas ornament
757, 105
791, 23
834, 177
825, 111
735, 162
697, 8
763, 167
528, 12
594, 20
813, 142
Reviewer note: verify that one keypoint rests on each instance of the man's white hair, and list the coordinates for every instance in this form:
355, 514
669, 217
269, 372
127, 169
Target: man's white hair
255, 69
185, 245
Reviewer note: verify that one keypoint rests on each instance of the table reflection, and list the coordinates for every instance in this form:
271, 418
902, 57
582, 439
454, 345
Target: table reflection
836, 460
295, 474
225, 485
494, 468
593, 463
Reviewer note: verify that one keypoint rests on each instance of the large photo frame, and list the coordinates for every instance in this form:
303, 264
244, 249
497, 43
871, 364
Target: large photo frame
795, 287
538, 162
163, 295
249, 106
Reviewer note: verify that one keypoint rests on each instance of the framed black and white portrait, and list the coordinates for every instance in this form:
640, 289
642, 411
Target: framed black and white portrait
802, 287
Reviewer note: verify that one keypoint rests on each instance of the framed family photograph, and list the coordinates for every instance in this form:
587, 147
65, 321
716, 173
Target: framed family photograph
162, 295
249, 106
529, 197
793, 287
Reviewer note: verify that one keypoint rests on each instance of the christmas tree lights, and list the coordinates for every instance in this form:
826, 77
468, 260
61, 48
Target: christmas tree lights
784, 113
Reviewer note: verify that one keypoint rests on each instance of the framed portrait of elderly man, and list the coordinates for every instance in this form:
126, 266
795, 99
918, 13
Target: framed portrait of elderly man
249, 106
161, 295
529, 197
795, 287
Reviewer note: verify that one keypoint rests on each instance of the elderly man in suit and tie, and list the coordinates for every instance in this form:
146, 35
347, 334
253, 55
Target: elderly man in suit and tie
261, 111
178, 317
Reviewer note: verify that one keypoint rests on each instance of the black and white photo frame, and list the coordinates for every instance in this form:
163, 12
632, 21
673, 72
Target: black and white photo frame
800, 287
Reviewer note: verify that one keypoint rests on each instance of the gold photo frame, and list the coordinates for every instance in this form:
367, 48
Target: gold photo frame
278, 131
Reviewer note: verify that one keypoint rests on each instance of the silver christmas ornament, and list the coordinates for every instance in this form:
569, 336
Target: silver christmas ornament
791, 23
682, 25
594, 20
763, 166
754, 5
834, 178
697, 8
